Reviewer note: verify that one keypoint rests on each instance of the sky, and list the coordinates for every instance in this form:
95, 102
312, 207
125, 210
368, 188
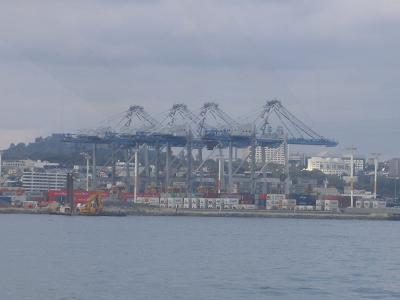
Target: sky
68, 65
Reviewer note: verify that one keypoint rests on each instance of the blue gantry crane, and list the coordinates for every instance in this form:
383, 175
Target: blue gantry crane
210, 128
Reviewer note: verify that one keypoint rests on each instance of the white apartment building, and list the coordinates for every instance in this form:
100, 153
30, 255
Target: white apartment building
274, 155
43, 181
335, 165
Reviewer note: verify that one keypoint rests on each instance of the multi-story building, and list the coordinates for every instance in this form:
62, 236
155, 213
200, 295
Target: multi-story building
27, 163
43, 181
274, 155
394, 167
335, 165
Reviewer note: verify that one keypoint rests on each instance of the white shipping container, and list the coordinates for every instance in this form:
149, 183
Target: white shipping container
366, 204
332, 203
231, 201
379, 204
276, 196
288, 201
359, 204
139, 200
211, 202
248, 206
331, 208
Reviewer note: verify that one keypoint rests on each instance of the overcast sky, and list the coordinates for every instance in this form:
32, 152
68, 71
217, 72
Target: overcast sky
67, 65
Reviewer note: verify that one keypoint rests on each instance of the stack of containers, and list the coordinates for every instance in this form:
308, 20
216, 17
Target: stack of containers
331, 205
247, 206
171, 202
378, 204
359, 203
303, 199
246, 199
262, 201
343, 200
305, 207
202, 203
195, 203
367, 204
187, 203
219, 203
230, 203
274, 201
319, 204
211, 202
163, 202
5, 201
288, 203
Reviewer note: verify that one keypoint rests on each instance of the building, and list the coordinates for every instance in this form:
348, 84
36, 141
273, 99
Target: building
394, 167
274, 155
27, 163
43, 181
335, 165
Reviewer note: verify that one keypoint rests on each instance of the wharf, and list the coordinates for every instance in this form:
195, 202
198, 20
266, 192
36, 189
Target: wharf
347, 214
387, 214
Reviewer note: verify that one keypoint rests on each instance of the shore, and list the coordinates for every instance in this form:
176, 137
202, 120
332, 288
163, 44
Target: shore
347, 214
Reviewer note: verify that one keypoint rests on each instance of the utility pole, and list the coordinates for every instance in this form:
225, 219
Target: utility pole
221, 171
87, 157
167, 167
230, 168
136, 180
376, 156
352, 149
146, 166
189, 163
1, 163
113, 164
253, 162
157, 166
128, 175
94, 177
287, 177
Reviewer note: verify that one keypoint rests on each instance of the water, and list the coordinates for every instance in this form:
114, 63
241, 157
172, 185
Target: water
57, 257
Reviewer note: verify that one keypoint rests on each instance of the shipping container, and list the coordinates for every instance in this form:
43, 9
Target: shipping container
379, 204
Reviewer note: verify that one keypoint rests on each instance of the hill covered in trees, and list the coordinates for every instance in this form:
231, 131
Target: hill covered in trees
54, 149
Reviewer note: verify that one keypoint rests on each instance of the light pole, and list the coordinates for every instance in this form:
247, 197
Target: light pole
87, 157
1, 162
375, 155
352, 149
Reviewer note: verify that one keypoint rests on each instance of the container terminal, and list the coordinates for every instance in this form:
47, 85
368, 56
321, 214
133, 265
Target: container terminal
204, 163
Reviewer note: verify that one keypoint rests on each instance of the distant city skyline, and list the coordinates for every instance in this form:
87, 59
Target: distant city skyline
333, 64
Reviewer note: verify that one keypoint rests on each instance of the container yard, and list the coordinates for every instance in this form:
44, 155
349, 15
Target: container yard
206, 162
237, 205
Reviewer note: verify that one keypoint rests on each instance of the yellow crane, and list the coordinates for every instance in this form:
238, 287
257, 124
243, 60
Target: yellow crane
94, 206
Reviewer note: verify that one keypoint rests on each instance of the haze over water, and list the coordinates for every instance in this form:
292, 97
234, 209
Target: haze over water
56, 257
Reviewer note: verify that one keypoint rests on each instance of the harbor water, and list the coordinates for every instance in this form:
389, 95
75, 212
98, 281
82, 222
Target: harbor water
60, 257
